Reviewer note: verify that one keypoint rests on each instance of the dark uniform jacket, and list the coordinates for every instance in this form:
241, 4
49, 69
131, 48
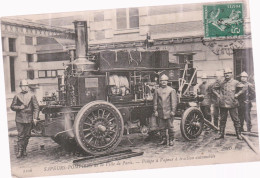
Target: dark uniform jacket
31, 110
214, 91
204, 90
248, 95
228, 89
165, 102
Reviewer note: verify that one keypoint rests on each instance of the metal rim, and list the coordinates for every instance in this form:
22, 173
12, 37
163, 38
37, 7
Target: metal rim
98, 127
192, 123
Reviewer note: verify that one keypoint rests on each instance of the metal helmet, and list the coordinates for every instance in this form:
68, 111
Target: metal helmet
227, 70
204, 76
164, 77
244, 74
23, 83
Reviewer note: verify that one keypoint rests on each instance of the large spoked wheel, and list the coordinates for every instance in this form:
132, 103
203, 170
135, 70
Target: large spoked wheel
98, 127
192, 123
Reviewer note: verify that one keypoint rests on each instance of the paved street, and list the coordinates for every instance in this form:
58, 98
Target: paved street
44, 153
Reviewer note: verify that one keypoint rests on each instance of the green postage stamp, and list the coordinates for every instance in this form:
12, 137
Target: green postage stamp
223, 20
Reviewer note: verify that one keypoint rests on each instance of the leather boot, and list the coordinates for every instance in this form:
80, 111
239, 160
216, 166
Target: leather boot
20, 151
238, 133
164, 141
171, 143
221, 133
24, 148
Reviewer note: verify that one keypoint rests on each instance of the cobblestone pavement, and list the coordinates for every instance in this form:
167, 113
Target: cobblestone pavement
43, 151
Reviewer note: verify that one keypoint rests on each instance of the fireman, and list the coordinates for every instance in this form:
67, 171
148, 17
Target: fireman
205, 104
27, 110
228, 103
245, 103
165, 102
214, 98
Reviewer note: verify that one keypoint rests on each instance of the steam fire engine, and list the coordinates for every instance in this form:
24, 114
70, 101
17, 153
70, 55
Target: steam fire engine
104, 93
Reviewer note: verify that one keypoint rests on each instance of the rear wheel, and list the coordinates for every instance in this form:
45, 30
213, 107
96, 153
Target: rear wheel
98, 127
192, 123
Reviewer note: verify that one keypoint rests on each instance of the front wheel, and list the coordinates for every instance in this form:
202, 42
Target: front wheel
98, 127
192, 123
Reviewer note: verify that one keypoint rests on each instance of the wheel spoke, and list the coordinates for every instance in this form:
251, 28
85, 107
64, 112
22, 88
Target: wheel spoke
111, 119
87, 135
112, 131
108, 115
87, 124
95, 142
90, 139
93, 115
103, 113
90, 118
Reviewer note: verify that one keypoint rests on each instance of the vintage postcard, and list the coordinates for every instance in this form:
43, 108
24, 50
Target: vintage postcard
130, 88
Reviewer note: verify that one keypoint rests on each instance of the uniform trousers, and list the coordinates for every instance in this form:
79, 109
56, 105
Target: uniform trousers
244, 115
165, 124
24, 133
216, 111
206, 112
234, 116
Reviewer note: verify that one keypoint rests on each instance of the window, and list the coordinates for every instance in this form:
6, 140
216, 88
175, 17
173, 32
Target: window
121, 18
127, 18
12, 73
30, 74
98, 16
133, 18
28, 40
12, 44
29, 57
45, 41
42, 73
53, 73
59, 56
47, 73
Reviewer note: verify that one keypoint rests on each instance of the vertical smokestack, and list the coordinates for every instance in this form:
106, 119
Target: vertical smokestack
82, 46
81, 39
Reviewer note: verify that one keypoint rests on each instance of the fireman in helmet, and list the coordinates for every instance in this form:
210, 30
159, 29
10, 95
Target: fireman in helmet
27, 110
230, 90
205, 104
245, 103
165, 102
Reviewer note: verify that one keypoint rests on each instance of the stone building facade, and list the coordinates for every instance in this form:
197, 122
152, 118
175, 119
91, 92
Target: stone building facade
177, 28
34, 52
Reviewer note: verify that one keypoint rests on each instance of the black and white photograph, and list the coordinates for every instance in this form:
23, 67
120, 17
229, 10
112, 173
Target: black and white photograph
129, 88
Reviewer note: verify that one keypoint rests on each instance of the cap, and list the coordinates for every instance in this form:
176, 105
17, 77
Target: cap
164, 77
244, 74
23, 83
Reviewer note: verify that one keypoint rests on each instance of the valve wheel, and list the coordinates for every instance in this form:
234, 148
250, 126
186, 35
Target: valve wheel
98, 127
192, 123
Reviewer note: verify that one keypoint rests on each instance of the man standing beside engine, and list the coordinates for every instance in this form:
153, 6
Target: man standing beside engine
165, 102
245, 103
228, 102
214, 97
205, 104
27, 110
